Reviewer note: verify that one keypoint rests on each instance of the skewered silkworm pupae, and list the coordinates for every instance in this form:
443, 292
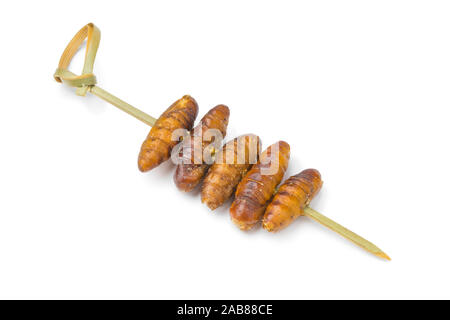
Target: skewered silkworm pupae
191, 171
291, 199
258, 186
231, 164
159, 143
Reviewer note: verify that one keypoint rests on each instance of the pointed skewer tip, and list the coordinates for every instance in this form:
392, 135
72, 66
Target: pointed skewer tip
383, 255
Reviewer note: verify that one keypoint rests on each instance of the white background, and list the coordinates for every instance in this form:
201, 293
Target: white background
360, 90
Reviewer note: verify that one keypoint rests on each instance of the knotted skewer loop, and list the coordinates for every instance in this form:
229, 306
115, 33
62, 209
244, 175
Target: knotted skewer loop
87, 80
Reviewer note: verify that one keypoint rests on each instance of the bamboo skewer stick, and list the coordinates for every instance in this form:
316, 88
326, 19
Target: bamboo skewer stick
122, 105
353, 237
87, 83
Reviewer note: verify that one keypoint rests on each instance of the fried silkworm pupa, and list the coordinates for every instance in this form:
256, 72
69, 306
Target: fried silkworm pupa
190, 172
159, 143
231, 164
291, 199
258, 186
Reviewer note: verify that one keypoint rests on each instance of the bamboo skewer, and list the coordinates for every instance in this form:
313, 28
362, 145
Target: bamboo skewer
87, 83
